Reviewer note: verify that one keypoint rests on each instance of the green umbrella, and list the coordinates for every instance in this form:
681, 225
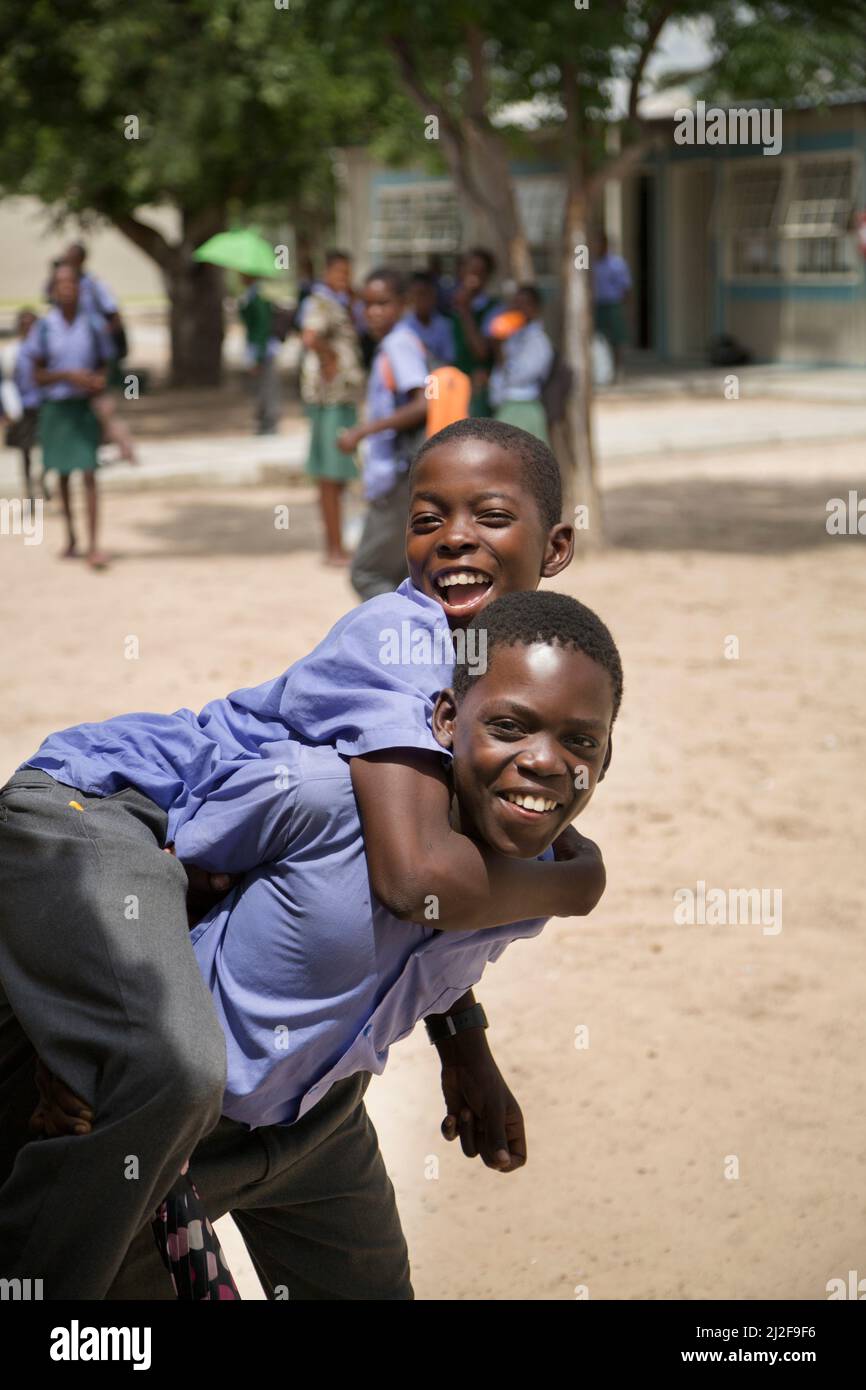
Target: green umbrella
241, 250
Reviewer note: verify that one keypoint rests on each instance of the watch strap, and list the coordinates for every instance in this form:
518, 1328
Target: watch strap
442, 1026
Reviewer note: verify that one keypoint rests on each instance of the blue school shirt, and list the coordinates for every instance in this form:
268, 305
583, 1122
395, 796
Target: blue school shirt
370, 684
94, 297
437, 336
407, 361
611, 279
82, 345
312, 979
527, 357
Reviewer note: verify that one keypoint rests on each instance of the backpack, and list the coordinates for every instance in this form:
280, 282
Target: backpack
447, 389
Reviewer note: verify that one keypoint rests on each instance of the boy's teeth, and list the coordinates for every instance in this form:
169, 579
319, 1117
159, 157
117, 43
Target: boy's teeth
530, 803
447, 581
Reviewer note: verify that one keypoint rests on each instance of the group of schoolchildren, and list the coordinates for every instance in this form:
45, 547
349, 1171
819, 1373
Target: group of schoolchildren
384, 828
55, 379
491, 359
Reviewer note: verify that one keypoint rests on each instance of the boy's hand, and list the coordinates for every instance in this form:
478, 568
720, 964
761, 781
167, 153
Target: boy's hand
204, 889
570, 844
348, 440
481, 1108
59, 1110
572, 847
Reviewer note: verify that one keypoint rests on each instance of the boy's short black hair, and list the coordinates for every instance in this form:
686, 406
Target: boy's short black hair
423, 277
540, 470
389, 277
483, 255
542, 616
533, 293
336, 255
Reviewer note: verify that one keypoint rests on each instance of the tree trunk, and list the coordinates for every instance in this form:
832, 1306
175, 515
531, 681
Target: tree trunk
196, 320
577, 344
476, 154
484, 179
195, 293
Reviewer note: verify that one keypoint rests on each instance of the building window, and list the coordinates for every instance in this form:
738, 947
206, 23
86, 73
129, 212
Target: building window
411, 222
541, 204
818, 217
793, 220
754, 198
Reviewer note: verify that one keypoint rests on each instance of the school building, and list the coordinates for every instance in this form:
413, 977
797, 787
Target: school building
720, 239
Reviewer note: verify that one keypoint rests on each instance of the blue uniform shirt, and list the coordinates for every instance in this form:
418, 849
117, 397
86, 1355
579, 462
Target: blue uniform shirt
82, 345
399, 366
437, 336
370, 684
527, 357
312, 979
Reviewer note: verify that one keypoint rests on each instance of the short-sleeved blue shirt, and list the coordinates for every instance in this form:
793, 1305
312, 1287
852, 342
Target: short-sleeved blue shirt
399, 367
370, 684
312, 979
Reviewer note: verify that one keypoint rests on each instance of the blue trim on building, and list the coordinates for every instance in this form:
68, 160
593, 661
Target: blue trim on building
790, 290
385, 177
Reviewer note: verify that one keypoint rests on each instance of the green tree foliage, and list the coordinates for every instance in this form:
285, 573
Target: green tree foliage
236, 108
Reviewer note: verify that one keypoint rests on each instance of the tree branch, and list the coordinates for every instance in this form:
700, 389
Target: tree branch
147, 239
656, 24
454, 140
621, 164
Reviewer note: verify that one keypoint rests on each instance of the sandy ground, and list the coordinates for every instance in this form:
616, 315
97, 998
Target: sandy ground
705, 1042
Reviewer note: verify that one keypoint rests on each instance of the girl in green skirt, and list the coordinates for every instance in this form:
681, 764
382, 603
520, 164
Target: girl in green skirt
331, 378
69, 351
524, 356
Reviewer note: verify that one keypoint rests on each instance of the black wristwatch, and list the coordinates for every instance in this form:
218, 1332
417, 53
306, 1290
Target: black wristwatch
442, 1026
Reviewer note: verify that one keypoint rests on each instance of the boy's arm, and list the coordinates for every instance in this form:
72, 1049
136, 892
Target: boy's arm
413, 855
406, 417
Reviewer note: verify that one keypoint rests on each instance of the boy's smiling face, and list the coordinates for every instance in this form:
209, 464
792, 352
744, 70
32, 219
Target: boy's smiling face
475, 530
536, 726
383, 308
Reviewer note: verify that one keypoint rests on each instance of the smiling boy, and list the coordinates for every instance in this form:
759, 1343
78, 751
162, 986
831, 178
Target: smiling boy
314, 980
84, 822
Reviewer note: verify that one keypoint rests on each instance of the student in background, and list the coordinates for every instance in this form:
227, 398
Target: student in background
472, 308
21, 397
434, 329
69, 351
331, 380
98, 301
263, 347
524, 357
611, 286
396, 410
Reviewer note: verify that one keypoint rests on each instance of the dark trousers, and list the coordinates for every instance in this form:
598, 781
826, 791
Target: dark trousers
312, 1200
379, 563
98, 978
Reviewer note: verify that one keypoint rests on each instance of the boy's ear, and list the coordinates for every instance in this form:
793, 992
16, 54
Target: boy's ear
607, 757
442, 719
559, 550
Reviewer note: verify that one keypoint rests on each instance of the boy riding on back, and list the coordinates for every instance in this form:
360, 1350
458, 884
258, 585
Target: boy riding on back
85, 820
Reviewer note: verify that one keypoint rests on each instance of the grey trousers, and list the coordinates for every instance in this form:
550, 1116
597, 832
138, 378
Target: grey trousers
266, 387
379, 563
98, 978
312, 1200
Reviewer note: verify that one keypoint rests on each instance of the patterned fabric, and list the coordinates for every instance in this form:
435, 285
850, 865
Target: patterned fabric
326, 316
190, 1247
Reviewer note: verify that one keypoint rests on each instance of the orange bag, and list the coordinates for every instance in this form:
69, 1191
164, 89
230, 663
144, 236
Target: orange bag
448, 393
506, 323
